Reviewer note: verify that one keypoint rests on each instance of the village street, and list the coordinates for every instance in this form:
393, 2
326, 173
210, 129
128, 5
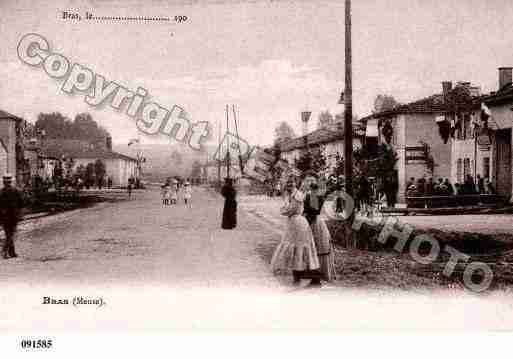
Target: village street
174, 268
140, 241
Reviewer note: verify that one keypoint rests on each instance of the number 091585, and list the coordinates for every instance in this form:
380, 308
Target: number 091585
36, 343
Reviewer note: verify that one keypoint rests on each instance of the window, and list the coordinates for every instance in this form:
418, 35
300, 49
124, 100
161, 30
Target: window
459, 170
486, 167
466, 167
459, 126
467, 127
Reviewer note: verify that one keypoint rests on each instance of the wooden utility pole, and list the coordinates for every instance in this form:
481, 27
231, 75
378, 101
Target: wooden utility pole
238, 140
219, 152
227, 146
348, 113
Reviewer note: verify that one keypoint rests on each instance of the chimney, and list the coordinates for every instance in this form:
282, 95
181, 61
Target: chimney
446, 87
305, 116
108, 143
505, 76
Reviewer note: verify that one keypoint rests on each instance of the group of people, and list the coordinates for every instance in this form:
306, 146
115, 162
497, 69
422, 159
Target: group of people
443, 187
171, 190
306, 246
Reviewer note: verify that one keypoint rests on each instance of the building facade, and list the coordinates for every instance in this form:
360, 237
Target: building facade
8, 141
328, 141
419, 132
483, 144
119, 167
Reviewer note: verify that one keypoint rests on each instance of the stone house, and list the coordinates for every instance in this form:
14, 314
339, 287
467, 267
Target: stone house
416, 132
489, 154
9, 151
119, 167
329, 141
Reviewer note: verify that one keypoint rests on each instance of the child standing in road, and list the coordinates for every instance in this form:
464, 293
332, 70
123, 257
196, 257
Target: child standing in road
174, 193
187, 192
166, 194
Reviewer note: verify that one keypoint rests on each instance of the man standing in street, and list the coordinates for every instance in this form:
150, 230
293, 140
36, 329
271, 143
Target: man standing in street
129, 189
11, 204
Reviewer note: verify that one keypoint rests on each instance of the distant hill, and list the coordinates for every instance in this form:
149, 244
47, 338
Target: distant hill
164, 160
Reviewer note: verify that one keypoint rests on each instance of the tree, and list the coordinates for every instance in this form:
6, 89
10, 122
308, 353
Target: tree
275, 171
311, 162
54, 124
339, 168
68, 170
84, 127
58, 126
325, 120
57, 175
89, 175
283, 132
382, 168
99, 171
387, 129
338, 121
384, 103
80, 172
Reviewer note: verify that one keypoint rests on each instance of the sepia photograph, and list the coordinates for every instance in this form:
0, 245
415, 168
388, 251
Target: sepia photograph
255, 165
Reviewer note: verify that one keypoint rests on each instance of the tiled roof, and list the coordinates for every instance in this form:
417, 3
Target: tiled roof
79, 149
458, 97
504, 94
431, 104
436, 103
319, 136
4, 114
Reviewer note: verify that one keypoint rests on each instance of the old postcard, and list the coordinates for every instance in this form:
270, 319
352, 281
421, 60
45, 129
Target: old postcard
255, 165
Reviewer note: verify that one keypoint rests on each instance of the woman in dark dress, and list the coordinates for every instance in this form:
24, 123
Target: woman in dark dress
230, 205
316, 217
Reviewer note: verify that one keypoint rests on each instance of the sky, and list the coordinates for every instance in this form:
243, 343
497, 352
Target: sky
272, 59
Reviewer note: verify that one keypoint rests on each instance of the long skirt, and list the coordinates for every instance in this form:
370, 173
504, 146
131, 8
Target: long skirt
229, 215
296, 251
322, 238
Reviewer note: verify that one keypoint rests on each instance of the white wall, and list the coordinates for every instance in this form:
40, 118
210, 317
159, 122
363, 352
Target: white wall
8, 137
118, 169
503, 118
462, 149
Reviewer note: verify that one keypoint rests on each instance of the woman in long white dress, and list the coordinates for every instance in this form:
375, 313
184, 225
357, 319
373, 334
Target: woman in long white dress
296, 251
